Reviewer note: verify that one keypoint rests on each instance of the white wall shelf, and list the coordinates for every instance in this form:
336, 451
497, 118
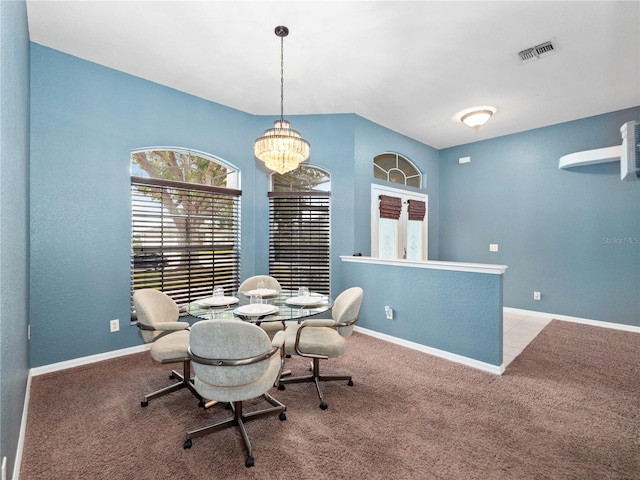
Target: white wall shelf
591, 157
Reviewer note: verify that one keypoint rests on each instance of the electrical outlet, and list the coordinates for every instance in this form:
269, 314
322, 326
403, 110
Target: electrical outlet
389, 312
536, 295
114, 325
493, 247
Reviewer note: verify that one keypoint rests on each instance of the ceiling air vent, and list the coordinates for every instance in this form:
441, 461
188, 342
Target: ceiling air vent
534, 53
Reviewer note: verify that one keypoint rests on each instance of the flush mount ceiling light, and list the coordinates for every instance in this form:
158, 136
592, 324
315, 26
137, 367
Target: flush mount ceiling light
477, 116
281, 148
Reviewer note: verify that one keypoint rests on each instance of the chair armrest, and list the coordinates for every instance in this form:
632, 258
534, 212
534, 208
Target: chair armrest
311, 323
278, 339
319, 322
172, 326
227, 362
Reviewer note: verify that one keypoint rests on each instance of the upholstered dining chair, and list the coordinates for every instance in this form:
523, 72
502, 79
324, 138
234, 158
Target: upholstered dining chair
320, 339
158, 316
234, 361
269, 282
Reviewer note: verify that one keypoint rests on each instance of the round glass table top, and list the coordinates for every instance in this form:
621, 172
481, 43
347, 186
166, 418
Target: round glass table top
275, 306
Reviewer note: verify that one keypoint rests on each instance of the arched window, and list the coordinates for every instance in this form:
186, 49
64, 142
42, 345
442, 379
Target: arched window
185, 223
394, 168
299, 228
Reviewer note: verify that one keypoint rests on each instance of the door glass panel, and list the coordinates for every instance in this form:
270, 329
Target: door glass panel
414, 240
387, 238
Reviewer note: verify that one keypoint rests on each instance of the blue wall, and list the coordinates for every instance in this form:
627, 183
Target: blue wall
14, 223
85, 120
573, 235
457, 312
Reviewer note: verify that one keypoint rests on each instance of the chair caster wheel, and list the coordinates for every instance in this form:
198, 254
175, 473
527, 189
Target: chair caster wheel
324, 406
281, 387
201, 404
187, 443
288, 355
144, 403
350, 383
172, 377
249, 462
282, 416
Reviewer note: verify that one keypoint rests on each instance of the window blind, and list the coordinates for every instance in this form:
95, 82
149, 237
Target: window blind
185, 238
417, 210
299, 240
390, 207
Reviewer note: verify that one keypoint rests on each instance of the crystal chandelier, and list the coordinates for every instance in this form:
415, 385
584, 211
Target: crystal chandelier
281, 148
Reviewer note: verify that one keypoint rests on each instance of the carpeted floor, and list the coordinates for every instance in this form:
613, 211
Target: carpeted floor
566, 408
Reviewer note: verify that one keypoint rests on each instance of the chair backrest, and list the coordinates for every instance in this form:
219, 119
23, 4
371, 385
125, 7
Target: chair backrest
153, 307
226, 339
346, 308
251, 283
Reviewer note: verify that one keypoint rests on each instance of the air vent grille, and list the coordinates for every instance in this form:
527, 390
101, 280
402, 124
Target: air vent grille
534, 53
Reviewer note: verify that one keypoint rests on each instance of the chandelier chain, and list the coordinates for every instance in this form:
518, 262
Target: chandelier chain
281, 78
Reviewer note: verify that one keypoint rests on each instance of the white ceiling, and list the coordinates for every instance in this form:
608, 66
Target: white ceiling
410, 66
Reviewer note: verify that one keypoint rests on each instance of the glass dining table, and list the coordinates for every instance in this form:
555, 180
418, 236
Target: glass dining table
275, 306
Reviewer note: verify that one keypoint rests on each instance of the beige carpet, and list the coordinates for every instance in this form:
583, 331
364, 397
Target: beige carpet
566, 408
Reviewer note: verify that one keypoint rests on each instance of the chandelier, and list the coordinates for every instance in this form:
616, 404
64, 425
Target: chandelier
281, 148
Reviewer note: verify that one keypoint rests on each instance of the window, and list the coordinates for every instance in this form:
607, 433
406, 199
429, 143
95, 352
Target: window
398, 223
299, 229
185, 224
394, 168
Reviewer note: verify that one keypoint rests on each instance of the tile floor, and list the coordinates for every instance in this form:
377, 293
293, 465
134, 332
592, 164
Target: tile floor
519, 330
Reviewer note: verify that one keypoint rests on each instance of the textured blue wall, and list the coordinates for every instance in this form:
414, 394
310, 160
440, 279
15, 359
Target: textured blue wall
14, 223
573, 235
458, 312
85, 120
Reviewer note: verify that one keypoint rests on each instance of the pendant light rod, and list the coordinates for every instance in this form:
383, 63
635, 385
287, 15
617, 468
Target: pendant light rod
281, 31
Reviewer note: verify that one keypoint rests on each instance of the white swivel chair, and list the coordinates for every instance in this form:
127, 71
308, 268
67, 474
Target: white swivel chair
320, 339
234, 361
158, 322
269, 282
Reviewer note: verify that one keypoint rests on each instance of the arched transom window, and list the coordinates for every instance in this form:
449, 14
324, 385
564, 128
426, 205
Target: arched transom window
394, 168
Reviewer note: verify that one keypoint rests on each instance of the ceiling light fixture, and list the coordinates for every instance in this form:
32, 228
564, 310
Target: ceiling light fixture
477, 116
281, 148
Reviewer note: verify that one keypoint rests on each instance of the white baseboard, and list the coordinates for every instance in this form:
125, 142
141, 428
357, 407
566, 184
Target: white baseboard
23, 429
76, 362
470, 362
567, 318
487, 367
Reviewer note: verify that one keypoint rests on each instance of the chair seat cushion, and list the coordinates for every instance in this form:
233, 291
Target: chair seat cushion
173, 346
316, 341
